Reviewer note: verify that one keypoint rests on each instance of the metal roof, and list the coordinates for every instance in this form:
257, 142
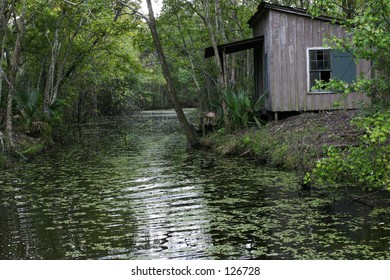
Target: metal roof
235, 46
263, 7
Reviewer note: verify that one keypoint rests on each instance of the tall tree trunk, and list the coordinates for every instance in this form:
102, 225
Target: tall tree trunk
56, 71
4, 20
55, 51
188, 131
3, 28
222, 73
219, 20
222, 82
15, 63
190, 59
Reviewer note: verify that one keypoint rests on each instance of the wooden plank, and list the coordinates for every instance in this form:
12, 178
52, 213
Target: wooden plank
350, 100
308, 35
332, 100
339, 100
300, 65
292, 65
268, 51
285, 63
275, 67
284, 80
316, 32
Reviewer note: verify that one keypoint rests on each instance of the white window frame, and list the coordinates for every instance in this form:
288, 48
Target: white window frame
308, 70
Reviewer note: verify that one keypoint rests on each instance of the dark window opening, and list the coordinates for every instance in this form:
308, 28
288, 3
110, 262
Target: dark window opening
319, 67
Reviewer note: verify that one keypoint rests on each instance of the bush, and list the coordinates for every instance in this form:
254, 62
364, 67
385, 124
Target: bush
241, 109
366, 165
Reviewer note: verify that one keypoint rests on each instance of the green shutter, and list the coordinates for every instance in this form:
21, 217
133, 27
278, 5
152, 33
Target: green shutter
343, 66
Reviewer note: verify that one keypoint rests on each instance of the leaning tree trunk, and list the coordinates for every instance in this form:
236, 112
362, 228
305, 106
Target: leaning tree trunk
188, 131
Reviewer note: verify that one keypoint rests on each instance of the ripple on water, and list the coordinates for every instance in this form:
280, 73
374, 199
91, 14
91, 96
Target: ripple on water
131, 189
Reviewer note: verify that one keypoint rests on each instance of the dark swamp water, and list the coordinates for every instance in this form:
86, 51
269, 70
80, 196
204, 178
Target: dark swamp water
130, 188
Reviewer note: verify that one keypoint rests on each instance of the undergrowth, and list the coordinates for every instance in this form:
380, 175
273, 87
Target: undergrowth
290, 151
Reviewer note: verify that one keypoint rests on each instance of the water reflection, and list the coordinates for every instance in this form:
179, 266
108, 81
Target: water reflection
129, 188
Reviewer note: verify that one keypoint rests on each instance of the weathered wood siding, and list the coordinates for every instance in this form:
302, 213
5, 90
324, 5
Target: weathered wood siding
286, 39
262, 29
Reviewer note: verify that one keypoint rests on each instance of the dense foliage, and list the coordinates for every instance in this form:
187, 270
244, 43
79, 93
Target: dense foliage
61, 60
367, 165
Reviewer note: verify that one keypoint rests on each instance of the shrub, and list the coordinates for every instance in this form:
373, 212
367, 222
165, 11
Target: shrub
241, 109
366, 165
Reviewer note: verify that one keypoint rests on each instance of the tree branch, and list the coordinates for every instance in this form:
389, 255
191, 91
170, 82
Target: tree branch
134, 10
71, 3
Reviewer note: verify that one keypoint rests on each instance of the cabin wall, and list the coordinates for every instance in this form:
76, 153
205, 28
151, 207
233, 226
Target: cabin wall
262, 75
286, 39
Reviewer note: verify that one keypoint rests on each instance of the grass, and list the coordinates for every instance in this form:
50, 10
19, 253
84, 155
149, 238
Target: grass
294, 144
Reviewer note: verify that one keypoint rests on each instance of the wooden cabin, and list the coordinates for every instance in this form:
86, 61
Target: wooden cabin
289, 55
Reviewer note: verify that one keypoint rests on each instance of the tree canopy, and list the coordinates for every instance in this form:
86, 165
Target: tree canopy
76, 60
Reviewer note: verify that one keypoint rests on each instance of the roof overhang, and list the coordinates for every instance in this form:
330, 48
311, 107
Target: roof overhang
235, 46
263, 7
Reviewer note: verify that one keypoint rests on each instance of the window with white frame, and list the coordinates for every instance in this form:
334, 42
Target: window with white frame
324, 64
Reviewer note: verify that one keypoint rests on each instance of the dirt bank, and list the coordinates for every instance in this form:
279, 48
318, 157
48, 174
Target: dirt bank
294, 143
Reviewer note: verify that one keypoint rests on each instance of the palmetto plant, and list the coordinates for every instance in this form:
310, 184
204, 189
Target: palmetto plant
28, 104
240, 108
32, 120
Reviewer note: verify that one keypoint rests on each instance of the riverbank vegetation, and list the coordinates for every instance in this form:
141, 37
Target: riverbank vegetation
339, 148
73, 61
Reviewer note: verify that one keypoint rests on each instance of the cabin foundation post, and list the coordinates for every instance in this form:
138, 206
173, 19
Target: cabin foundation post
272, 116
269, 115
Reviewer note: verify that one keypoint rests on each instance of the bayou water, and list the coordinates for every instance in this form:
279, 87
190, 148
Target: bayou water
131, 188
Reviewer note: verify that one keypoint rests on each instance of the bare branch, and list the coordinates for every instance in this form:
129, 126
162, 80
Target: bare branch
134, 10
4, 76
71, 3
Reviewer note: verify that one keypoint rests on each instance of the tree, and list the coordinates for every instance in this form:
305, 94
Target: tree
207, 20
14, 63
44, 44
188, 131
